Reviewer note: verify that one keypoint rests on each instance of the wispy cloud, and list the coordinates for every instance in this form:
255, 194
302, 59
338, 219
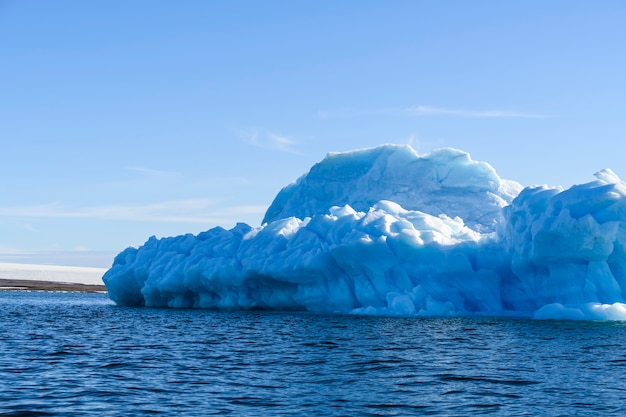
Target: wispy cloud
281, 143
271, 140
418, 111
200, 210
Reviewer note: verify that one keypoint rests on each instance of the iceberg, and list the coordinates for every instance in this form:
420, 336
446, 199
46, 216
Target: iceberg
386, 231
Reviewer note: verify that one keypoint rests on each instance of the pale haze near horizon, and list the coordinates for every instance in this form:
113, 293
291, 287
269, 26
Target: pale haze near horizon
122, 120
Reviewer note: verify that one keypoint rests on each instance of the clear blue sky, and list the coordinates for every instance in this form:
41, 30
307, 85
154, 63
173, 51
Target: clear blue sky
125, 119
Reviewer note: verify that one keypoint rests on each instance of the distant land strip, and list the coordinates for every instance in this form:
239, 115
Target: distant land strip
31, 285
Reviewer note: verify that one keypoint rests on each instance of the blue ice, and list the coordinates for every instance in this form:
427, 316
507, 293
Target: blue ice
387, 231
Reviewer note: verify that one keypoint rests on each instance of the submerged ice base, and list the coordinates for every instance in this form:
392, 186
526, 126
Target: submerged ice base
389, 232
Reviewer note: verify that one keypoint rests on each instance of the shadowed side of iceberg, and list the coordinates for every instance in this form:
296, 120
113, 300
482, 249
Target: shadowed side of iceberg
568, 247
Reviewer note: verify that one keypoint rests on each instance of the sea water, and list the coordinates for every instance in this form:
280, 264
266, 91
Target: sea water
79, 354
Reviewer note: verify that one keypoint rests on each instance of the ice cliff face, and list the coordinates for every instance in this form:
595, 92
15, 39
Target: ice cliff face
567, 247
388, 231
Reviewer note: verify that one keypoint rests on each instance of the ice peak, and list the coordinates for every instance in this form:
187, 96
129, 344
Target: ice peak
434, 183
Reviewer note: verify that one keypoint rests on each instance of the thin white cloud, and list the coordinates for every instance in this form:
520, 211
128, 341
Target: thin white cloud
281, 143
201, 210
271, 140
428, 111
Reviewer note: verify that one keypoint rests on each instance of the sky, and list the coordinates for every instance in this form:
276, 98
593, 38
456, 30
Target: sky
120, 120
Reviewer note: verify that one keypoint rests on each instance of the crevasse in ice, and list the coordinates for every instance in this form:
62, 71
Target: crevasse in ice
387, 231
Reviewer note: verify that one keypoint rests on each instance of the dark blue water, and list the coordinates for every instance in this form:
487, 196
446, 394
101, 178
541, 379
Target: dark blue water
78, 354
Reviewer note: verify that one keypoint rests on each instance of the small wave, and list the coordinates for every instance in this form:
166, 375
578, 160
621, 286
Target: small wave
450, 377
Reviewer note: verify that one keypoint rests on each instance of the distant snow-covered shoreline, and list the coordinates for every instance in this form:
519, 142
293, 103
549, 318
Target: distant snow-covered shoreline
52, 273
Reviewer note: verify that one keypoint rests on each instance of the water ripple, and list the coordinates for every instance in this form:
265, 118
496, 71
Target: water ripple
78, 355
